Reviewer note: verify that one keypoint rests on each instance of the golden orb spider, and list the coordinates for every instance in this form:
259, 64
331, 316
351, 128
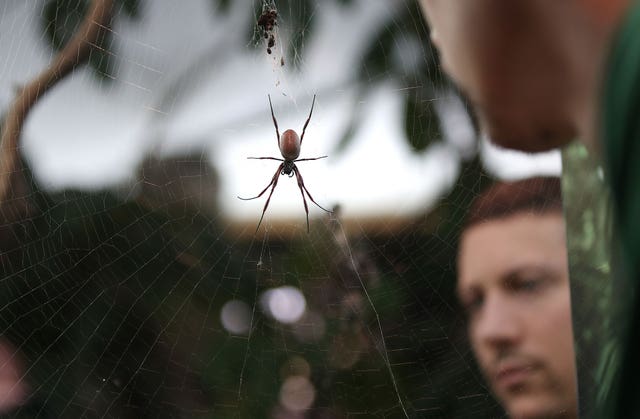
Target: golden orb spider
289, 144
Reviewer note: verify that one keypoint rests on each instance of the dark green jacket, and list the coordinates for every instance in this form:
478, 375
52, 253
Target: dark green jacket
621, 143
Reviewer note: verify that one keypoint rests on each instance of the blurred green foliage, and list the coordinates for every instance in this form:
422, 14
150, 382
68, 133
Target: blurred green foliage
421, 111
61, 18
400, 50
222, 5
422, 80
589, 238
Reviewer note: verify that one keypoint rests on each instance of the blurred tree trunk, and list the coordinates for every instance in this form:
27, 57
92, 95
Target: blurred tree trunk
14, 189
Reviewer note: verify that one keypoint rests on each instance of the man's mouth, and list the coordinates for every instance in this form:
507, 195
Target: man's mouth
513, 376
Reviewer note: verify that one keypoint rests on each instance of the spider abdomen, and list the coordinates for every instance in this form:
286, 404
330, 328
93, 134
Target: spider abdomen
289, 145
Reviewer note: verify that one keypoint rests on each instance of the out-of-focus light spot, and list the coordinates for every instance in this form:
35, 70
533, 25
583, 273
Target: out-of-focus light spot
295, 366
286, 304
297, 393
236, 317
310, 327
347, 348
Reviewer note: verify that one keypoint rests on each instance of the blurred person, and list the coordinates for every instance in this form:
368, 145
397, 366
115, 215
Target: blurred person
532, 69
13, 389
540, 73
513, 282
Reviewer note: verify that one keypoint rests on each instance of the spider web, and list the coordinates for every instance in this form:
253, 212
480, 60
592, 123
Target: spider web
137, 286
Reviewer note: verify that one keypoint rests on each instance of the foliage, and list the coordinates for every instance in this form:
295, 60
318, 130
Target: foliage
422, 79
589, 229
423, 82
61, 19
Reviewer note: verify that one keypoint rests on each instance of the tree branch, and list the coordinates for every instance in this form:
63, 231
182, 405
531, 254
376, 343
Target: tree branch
76, 52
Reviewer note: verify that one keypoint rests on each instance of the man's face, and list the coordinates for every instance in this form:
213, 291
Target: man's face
510, 65
513, 281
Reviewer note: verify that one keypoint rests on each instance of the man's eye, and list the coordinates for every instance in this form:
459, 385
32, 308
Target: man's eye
472, 304
527, 284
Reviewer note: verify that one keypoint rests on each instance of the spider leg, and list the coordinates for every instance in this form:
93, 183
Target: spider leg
312, 158
274, 121
301, 183
308, 119
274, 182
304, 188
264, 158
273, 179
266, 204
304, 200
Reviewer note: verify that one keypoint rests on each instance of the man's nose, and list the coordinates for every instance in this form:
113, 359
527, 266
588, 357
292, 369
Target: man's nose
499, 324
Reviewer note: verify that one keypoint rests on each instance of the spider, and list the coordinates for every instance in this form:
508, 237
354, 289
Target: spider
289, 144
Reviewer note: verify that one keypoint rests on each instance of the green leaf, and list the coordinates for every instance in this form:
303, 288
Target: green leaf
61, 18
353, 124
101, 61
376, 62
422, 125
450, 212
222, 6
348, 134
131, 8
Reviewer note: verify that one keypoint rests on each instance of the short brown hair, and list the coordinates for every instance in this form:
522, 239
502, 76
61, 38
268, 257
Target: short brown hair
538, 195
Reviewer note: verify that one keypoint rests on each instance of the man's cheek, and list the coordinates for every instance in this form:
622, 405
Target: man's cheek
482, 357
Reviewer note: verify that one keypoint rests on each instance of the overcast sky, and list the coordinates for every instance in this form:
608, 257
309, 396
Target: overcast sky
187, 80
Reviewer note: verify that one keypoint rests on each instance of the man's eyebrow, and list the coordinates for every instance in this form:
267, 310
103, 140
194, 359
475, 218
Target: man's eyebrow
539, 270
513, 273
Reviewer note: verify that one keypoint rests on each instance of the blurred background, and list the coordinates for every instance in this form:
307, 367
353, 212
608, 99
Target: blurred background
134, 281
